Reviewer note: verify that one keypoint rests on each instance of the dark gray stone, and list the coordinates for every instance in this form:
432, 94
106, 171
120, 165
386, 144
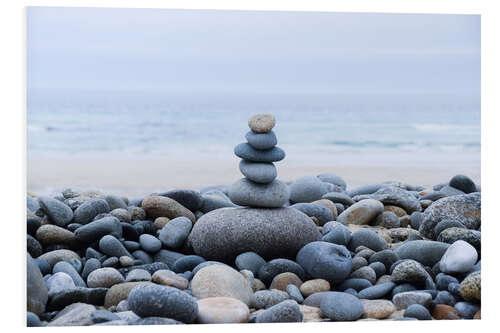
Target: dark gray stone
308, 189
467, 309
65, 267
175, 232
91, 265
211, 203
368, 238
425, 252
404, 287
190, 199
150, 243
378, 267
161, 301
325, 261
294, 292
111, 246
262, 173
463, 183
416, 219
264, 299
143, 256
37, 292
261, 141
132, 246
315, 299
58, 212
102, 316
445, 224
341, 307
377, 291
285, 312
33, 246
167, 257
272, 233
94, 296
247, 152
333, 179
353, 283
114, 202
87, 211
32, 320
32, 224
247, 193
321, 213
339, 197
391, 195
43, 265
187, 263
417, 311
443, 280
95, 230
250, 261
277, 266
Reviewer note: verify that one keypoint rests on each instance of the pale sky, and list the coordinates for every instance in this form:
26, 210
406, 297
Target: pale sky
209, 50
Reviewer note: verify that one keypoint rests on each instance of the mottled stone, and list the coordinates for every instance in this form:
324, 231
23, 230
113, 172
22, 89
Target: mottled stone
470, 287
104, 277
222, 310
284, 312
362, 212
37, 293
158, 206
377, 308
314, 286
282, 280
427, 253
169, 278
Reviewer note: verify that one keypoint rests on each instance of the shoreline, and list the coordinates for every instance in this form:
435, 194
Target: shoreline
141, 176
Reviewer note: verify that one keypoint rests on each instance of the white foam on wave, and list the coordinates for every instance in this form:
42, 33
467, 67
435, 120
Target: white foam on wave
430, 127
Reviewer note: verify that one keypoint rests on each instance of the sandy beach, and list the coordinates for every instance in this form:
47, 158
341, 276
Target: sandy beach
141, 176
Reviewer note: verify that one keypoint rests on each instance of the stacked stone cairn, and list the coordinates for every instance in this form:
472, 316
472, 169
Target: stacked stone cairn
260, 188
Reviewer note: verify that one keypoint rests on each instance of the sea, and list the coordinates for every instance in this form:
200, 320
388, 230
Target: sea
309, 126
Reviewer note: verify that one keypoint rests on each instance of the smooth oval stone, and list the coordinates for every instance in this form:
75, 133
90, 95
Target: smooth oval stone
97, 229
158, 206
264, 299
248, 153
451, 235
362, 212
37, 293
87, 211
52, 234
392, 195
427, 253
470, 287
294, 292
368, 238
262, 122
417, 311
222, 310
353, 283
285, 312
377, 291
113, 247
466, 309
341, 306
325, 261
444, 297
339, 197
463, 183
314, 286
366, 273
34, 247
261, 141
281, 280
55, 256
90, 265
57, 211
407, 298
191, 199
337, 233
308, 189
387, 220
161, 301
250, 261
321, 213
262, 173
169, 278
32, 320
104, 277
466, 209
458, 258
247, 193
175, 232
446, 224
409, 271
115, 201
150, 243
76, 314
59, 282
221, 281
272, 233
277, 266
63, 266
187, 263
167, 257
138, 274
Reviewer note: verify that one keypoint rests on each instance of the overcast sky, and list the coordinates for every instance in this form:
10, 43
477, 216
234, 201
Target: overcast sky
187, 50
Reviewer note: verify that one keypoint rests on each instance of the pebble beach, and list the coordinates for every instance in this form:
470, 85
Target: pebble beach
316, 248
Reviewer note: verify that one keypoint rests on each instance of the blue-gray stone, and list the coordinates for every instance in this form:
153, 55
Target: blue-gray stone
285, 312
417, 311
143, 256
264, 299
340, 208
247, 193
365, 189
33, 246
33, 223
162, 301
175, 232
151, 268
308, 189
454, 289
137, 274
91, 265
339, 234
324, 260
416, 219
167, 257
378, 267
428, 253
129, 232
262, 173
32, 204
221, 188
58, 282
294, 293
187, 263
354, 283
332, 179
144, 227
467, 309
111, 246
150, 243
58, 212
43, 265
392, 195
114, 202
97, 229
210, 203
445, 297
94, 296
387, 220
341, 307
87, 211
247, 152
315, 299
404, 287
443, 280
132, 246
156, 321
321, 213
368, 238
277, 266
32, 320
339, 197
190, 199
101, 316
446, 224
77, 264
463, 183
261, 141
377, 291
250, 261
65, 267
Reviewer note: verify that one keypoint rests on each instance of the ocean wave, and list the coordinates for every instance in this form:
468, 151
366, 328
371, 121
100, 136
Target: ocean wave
430, 127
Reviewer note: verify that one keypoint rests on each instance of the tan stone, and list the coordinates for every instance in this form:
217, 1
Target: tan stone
470, 288
160, 222
105, 277
119, 292
314, 286
377, 308
53, 257
261, 123
328, 204
222, 310
311, 313
52, 234
158, 206
169, 278
477, 315
396, 210
282, 280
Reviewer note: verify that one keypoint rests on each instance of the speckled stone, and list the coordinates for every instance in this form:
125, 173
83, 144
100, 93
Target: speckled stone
284, 312
470, 287
264, 299
158, 206
222, 310
377, 308
314, 286
104, 277
169, 278
282, 280
407, 298
261, 123
245, 192
119, 292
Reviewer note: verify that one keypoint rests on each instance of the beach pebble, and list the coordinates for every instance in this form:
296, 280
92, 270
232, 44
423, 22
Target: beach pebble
76, 314
285, 312
32, 224
32, 320
120, 292
281, 280
169, 278
250, 261
404, 299
470, 287
222, 310
365, 189
314, 286
264, 299
160, 222
446, 312
247, 193
221, 281
95, 230
158, 206
90, 265
377, 308
325, 261
426, 252
136, 213
88, 210
362, 212
126, 261
112, 247
59, 282
366, 273
262, 173
377, 291
354, 283
152, 300
187, 263
308, 189
463, 183
452, 235
294, 293
115, 202
276, 266
416, 219
261, 141
368, 238
387, 220
58, 212
191, 199
336, 233
458, 258
444, 297
409, 271
104, 277
341, 306
446, 224
391, 195
261, 123
150, 243
466, 209
272, 233
320, 212
417, 311
138, 274
246, 152
63, 266
121, 214
466, 309
33, 246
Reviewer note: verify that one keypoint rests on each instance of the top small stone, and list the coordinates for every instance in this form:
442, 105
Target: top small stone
261, 123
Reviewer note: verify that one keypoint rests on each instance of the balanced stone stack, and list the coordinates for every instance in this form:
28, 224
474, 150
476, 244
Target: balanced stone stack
259, 188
